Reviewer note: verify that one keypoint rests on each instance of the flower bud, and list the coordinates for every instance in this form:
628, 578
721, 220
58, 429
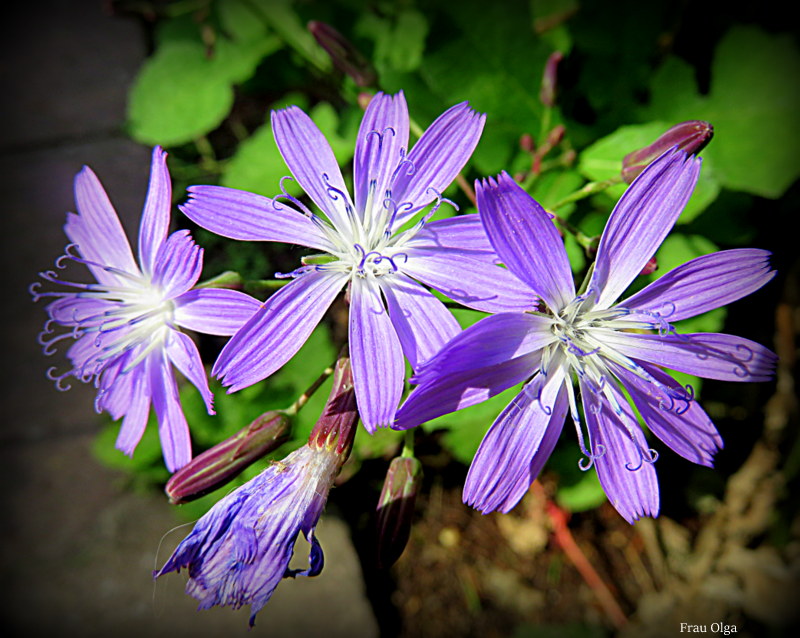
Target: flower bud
336, 426
223, 462
691, 136
396, 508
343, 53
547, 94
650, 267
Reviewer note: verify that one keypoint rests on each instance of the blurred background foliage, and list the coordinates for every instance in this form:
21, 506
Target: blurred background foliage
630, 70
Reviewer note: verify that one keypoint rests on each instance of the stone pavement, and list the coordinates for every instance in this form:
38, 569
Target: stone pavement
76, 548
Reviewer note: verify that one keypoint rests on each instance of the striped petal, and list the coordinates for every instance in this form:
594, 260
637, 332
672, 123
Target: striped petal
277, 330
214, 311
517, 445
310, 159
702, 284
246, 216
627, 476
382, 138
376, 355
154, 225
172, 427
640, 221
525, 239
436, 159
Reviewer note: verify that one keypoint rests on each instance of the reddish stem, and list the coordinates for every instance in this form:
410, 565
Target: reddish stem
566, 542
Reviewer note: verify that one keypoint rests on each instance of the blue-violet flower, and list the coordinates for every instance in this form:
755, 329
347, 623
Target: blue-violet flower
612, 350
126, 326
370, 246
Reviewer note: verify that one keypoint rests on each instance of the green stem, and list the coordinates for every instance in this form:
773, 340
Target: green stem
408, 444
303, 398
592, 188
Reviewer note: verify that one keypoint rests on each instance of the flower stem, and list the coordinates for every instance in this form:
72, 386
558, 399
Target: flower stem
303, 398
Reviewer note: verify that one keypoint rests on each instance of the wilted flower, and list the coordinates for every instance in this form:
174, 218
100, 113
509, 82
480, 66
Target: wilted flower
609, 348
369, 247
126, 326
240, 550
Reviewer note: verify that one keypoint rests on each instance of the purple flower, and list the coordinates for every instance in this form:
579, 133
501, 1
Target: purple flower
240, 550
126, 326
369, 245
609, 348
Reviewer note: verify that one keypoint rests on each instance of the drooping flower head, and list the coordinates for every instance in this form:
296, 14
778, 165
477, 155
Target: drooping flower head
369, 245
126, 325
608, 348
238, 553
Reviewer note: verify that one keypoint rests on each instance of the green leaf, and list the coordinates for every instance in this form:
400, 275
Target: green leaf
497, 66
753, 103
603, 160
399, 40
178, 96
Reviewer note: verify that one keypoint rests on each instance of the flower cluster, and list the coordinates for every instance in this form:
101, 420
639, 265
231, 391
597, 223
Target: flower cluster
579, 351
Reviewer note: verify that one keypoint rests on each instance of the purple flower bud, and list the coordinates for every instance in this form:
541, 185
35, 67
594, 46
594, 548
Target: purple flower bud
691, 136
396, 508
547, 94
527, 143
343, 53
650, 267
215, 467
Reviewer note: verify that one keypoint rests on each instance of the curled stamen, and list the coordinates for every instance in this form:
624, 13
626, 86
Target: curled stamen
297, 272
291, 198
48, 344
58, 379
587, 462
647, 455
439, 201
397, 209
389, 259
404, 162
748, 352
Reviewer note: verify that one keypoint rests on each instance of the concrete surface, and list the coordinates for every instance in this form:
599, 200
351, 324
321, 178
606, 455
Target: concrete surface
77, 550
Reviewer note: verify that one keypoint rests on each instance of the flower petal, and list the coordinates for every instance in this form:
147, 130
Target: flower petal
382, 138
526, 240
463, 232
250, 217
310, 159
178, 264
682, 425
469, 281
376, 354
628, 480
154, 225
135, 421
640, 221
172, 427
277, 330
517, 445
709, 355
446, 393
437, 158
214, 311
421, 321
183, 354
492, 340
97, 230
703, 284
